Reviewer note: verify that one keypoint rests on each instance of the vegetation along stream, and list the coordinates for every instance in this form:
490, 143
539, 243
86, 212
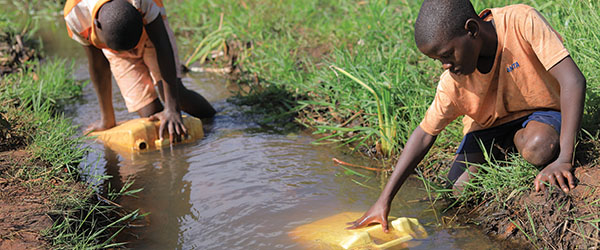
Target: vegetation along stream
349, 72
245, 187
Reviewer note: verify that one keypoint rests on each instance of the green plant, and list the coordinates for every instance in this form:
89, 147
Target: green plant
214, 41
385, 114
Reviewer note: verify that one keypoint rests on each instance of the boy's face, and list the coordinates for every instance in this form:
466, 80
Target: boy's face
459, 55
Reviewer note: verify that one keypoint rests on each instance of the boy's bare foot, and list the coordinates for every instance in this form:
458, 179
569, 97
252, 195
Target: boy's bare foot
97, 126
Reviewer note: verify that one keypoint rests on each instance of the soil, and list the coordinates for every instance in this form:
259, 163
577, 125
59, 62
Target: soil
551, 219
23, 206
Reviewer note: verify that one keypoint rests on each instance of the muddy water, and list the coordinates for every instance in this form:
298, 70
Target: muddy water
241, 187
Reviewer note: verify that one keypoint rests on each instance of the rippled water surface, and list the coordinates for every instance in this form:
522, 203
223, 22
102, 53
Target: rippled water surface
241, 187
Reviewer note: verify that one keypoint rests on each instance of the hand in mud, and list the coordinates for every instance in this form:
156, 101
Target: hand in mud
555, 172
170, 120
378, 213
98, 126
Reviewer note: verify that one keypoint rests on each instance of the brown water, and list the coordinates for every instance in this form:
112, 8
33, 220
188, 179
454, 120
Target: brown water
241, 187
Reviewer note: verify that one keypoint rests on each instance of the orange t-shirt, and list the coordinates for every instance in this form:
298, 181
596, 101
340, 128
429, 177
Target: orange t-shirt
518, 84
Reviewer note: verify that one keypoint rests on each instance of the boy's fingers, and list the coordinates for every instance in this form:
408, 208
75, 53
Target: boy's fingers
184, 129
538, 183
161, 130
561, 182
542, 184
357, 223
384, 225
354, 224
552, 180
178, 129
171, 132
570, 178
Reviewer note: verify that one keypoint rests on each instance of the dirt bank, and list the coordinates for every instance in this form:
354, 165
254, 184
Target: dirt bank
551, 219
24, 206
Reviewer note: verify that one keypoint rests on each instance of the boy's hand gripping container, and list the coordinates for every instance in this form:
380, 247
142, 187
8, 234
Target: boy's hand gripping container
142, 134
330, 233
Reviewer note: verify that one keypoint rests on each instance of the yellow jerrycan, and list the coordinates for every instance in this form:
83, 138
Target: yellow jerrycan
330, 233
141, 134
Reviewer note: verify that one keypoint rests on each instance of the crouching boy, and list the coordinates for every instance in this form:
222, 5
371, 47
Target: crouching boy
508, 72
132, 40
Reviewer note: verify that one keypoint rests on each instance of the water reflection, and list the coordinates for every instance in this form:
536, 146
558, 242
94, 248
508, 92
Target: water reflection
241, 187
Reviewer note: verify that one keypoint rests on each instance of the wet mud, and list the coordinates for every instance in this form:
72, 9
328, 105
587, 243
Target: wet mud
552, 219
24, 206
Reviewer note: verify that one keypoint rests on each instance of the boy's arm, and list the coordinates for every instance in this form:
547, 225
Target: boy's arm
170, 117
100, 75
572, 97
416, 148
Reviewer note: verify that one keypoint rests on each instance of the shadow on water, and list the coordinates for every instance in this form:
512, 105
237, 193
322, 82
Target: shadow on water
241, 187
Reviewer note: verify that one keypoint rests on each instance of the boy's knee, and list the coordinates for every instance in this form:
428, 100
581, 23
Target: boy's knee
537, 144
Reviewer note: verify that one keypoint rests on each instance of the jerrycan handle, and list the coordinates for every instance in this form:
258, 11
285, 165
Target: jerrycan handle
395, 242
401, 225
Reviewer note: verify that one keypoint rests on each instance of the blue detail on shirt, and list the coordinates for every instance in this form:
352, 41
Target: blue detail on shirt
512, 67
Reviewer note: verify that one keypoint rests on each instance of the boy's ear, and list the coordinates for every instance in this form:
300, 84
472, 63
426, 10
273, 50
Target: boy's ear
472, 27
97, 23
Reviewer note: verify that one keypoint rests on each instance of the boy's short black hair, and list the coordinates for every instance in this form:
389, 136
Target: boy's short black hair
442, 20
121, 24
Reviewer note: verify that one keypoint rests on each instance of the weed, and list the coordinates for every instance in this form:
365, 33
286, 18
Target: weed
385, 114
32, 100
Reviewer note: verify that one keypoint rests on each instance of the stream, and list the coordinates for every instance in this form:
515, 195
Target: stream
242, 186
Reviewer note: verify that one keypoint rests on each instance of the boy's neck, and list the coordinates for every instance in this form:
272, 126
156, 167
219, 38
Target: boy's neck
487, 55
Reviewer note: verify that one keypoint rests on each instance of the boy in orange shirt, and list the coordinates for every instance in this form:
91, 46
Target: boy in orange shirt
132, 40
509, 74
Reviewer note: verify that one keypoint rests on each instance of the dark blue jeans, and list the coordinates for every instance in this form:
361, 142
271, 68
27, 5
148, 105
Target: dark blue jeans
496, 139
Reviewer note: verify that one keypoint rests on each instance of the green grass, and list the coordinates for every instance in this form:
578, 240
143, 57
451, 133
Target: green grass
31, 105
499, 181
296, 43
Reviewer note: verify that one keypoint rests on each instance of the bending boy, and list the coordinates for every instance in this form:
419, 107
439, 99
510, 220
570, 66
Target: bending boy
509, 74
132, 39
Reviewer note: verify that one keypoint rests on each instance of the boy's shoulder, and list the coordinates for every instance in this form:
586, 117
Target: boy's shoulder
513, 13
514, 8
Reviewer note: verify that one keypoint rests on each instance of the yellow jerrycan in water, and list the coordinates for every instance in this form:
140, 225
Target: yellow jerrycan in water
141, 134
330, 233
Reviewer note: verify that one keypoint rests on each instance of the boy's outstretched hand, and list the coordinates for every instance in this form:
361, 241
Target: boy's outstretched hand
555, 173
172, 121
378, 213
